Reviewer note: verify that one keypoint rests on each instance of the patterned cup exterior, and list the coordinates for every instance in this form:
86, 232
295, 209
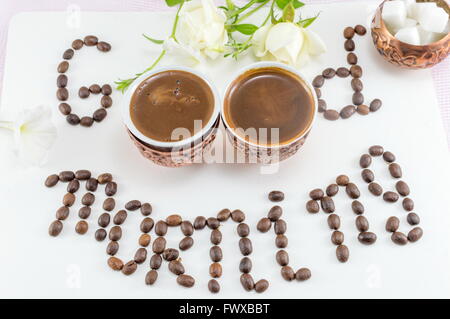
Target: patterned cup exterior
406, 55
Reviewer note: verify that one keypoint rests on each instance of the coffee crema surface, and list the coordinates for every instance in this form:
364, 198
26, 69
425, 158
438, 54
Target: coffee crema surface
269, 98
171, 100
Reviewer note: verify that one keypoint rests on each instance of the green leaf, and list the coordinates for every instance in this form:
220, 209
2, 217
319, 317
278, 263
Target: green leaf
230, 5
289, 13
307, 22
153, 40
172, 3
283, 3
247, 29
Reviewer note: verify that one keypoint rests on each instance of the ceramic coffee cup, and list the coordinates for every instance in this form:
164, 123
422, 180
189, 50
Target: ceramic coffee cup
177, 153
260, 152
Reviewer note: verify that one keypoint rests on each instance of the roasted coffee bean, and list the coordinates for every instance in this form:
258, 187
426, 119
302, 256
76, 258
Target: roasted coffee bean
247, 282
146, 209
399, 238
120, 217
280, 227
375, 105
312, 206
352, 191
357, 207
215, 252
282, 258
337, 237
343, 72
334, 222
367, 175
243, 230
109, 204
186, 228
245, 266
245, 245
161, 228
146, 225
90, 40
62, 213
352, 58
281, 241
73, 186
395, 170
68, 54
104, 178
176, 267
61, 81
362, 224
261, 286
413, 219
144, 240
106, 89
375, 189
392, 224
216, 236
84, 212
390, 197
415, 234
174, 220
363, 109
106, 101
408, 204
170, 254
342, 180
365, 161
213, 286
104, 219
213, 223
133, 205
329, 73
327, 204
389, 157
65, 108
99, 115
115, 233
63, 67
356, 71
151, 277
316, 194
367, 238
82, 174
347, 111
88, 199
115, 263
186, 281
155, 261
318, 92
349, 45
224, 215
112, 248
303, 274
159, 245
77, 44
111, 189
81, 227
199, 223
360, 30
322, 106
342, 253
52, 180
103, 46
55, 228
140, 256
95, 89
237, 216
129, 268
402, 188
332, 190
264, 225
86, 121
66, 176
83, 92
287, 273
349, 32
358, 98
215, 270
376, 150
318, 81
91, 184
68, 199
275, 213
331, 115
276, 196
100, 234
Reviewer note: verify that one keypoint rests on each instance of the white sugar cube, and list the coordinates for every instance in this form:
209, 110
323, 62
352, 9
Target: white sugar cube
410, 7
433, 19
447, 28
394, 14
427, 37
419, 7
408, 23
409, 35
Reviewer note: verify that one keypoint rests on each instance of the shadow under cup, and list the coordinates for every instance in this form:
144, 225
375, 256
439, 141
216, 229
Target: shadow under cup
268, 111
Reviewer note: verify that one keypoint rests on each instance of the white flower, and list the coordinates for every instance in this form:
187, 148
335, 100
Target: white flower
183, 54
34, 134
201, 26
288, 43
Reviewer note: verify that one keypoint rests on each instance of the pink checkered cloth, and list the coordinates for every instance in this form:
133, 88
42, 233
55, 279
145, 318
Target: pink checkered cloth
441, 73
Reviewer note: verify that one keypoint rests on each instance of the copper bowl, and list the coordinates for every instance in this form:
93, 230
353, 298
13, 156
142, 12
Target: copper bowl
406, 55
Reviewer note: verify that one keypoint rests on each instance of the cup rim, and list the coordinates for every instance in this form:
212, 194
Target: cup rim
125, 107
268, 64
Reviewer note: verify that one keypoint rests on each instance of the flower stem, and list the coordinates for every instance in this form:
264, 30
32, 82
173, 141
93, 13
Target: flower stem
7, 125
245, 16
238, 12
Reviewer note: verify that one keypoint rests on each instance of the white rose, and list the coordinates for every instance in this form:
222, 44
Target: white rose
201, 26
288, 43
